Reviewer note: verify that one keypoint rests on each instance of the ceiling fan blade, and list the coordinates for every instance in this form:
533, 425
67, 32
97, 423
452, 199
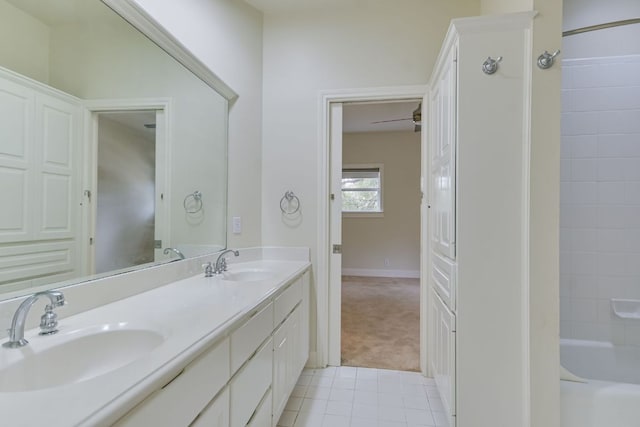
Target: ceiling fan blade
394, 120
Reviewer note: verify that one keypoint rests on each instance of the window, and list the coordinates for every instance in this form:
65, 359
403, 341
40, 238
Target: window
362, 189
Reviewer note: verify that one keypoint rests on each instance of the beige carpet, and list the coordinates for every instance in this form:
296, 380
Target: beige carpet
381, 323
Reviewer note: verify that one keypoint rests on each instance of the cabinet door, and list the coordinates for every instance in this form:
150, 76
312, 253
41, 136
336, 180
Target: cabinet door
39, 184
444, 352
262, 416
442, 154
216, 414
16, 161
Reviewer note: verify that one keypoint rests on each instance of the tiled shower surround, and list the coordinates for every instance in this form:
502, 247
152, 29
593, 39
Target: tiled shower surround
600, 197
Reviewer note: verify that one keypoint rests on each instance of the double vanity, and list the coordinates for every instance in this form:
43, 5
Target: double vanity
216, 351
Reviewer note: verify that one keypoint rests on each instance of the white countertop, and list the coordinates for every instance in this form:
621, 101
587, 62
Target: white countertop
191, 314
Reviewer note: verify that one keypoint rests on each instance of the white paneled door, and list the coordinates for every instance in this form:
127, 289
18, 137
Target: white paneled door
335, 257
40, 219
442, 159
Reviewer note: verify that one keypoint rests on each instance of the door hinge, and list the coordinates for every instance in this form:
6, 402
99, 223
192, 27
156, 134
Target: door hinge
332, 196
337, 249
90, 241
87, 193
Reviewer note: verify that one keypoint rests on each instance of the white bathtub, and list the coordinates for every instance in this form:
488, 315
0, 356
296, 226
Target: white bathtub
608, 398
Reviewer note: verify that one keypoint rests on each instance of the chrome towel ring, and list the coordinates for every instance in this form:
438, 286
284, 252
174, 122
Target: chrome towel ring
289, 204
193, 202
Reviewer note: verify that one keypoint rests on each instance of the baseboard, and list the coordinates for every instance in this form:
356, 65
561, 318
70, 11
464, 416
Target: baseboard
312, 362
365, 272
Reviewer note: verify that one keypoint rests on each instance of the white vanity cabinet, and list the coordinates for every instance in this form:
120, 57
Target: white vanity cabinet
243, 380
183, 398
216, 414
477, 168
251, 385
290, 342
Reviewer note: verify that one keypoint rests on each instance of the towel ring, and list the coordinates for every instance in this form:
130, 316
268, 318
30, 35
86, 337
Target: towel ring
287, 200
196, 202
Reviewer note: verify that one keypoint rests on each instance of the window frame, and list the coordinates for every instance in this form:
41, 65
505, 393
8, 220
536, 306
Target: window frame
365, 214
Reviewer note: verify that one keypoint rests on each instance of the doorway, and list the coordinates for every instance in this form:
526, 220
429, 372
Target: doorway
127, 172
342, 248
126, 186
380, 235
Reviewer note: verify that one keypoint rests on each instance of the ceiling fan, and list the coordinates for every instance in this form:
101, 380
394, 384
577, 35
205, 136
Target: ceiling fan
416, 118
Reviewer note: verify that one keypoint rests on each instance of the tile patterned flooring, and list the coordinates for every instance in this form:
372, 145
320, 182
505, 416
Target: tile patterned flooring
363, 397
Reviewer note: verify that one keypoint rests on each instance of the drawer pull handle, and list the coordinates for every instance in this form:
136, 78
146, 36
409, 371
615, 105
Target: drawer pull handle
173, 379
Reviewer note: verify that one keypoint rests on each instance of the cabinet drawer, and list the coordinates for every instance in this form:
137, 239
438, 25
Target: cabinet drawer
262, 416
443, 273
286, 301
216, 414
180, 401
249, 386
248, 337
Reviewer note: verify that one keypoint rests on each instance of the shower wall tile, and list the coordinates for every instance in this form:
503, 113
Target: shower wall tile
600, 197
579, 123
584, 146
583, 169
565, 170
583, 192
584, 287
618, 121
611, 193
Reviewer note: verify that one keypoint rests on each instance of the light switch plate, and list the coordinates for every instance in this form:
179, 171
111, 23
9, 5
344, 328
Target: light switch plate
236, 225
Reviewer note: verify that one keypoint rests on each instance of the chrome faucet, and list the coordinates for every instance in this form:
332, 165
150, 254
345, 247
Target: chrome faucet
221, 262
174, 250
48, 321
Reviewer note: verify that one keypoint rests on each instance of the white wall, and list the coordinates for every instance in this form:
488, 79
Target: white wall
494, 7
126, 197
24, 43
352, 46
367, 242
227, 36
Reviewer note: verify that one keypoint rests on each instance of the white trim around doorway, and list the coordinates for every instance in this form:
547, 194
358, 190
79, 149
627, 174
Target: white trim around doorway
163, 156
328, 333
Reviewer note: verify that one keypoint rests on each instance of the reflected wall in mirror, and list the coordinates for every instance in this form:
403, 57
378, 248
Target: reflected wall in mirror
104, 140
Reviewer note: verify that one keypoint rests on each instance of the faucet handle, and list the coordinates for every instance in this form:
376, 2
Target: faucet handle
208, 269
49, 321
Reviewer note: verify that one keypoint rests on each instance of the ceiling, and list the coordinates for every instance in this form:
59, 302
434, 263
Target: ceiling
136, 121
59, 12
272, 6
359, 117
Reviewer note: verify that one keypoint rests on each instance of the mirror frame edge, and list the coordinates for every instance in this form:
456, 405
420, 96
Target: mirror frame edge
135, 15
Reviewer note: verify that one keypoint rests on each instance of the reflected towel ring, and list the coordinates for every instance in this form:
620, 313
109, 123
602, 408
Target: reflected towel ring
287, 201
196, 202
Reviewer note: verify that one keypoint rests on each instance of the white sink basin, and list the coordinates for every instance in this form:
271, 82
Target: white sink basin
248, 275
75, 359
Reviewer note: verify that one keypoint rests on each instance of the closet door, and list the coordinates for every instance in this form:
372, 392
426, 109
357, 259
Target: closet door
442, 155
444, 370
57, 169
39, 183
16, 161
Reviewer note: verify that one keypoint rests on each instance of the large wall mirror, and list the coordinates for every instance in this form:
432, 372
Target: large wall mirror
113, 155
